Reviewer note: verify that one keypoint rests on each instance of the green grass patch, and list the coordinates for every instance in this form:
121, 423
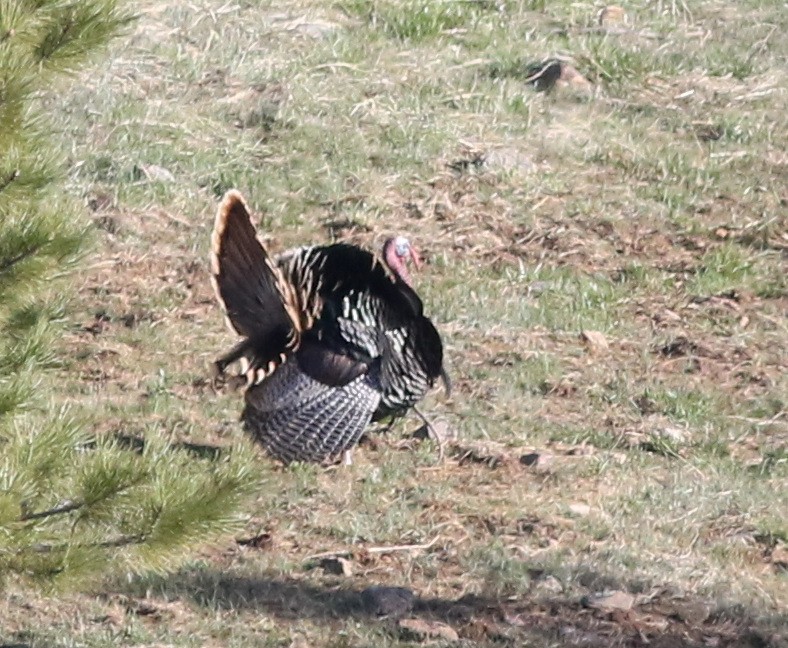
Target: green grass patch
415, 21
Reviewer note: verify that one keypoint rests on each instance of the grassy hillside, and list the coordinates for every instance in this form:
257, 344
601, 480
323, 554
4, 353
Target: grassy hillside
606, 263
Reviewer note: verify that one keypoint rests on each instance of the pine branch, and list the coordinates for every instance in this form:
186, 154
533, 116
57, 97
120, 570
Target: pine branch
72, 505
4, 182
142, 510
55, 40
74, 31
121, 541
7, 264
67, 507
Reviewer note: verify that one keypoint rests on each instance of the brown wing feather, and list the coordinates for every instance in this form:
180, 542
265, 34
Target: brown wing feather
329, 367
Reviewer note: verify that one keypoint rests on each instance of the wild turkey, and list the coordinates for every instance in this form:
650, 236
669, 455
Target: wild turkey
333, 338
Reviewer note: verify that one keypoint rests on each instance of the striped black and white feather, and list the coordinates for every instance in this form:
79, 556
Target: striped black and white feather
332, 337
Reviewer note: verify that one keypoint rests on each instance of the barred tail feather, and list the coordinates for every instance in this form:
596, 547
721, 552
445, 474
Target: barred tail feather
298, 418
250, 290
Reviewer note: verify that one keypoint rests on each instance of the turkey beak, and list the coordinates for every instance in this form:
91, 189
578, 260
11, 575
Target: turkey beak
414, 255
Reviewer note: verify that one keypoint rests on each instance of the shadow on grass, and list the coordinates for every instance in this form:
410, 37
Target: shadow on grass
483, 620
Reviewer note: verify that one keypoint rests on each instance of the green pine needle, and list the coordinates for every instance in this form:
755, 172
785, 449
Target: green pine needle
72, 506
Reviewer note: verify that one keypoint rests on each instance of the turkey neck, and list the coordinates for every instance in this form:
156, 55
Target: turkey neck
395, 263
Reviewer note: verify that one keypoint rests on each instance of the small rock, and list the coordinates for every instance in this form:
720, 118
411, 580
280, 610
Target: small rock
423, 629
536, 460
155, 173
595, 340
688, 611
572, 77
144, 608
680, 347
579, 509
582, 450
318, 30
529, 459
564, 388
514, 618
100, 202
388, 601
779, 557
543, 75
260, 541
509, 158
692, 612
299, 641
470, 161
114, 616
579, 637
441, 429
536, 288
670, 433
611, 15
445, 431
649, 623
315, 28
667, 315
663, 442
109, 224
609, 601
337, 565
549, 585
619, 457
489, 453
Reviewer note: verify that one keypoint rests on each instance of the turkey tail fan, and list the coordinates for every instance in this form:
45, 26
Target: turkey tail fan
251, 291
298, 418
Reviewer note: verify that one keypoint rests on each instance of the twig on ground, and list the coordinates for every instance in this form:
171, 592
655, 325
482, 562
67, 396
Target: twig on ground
376, 550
